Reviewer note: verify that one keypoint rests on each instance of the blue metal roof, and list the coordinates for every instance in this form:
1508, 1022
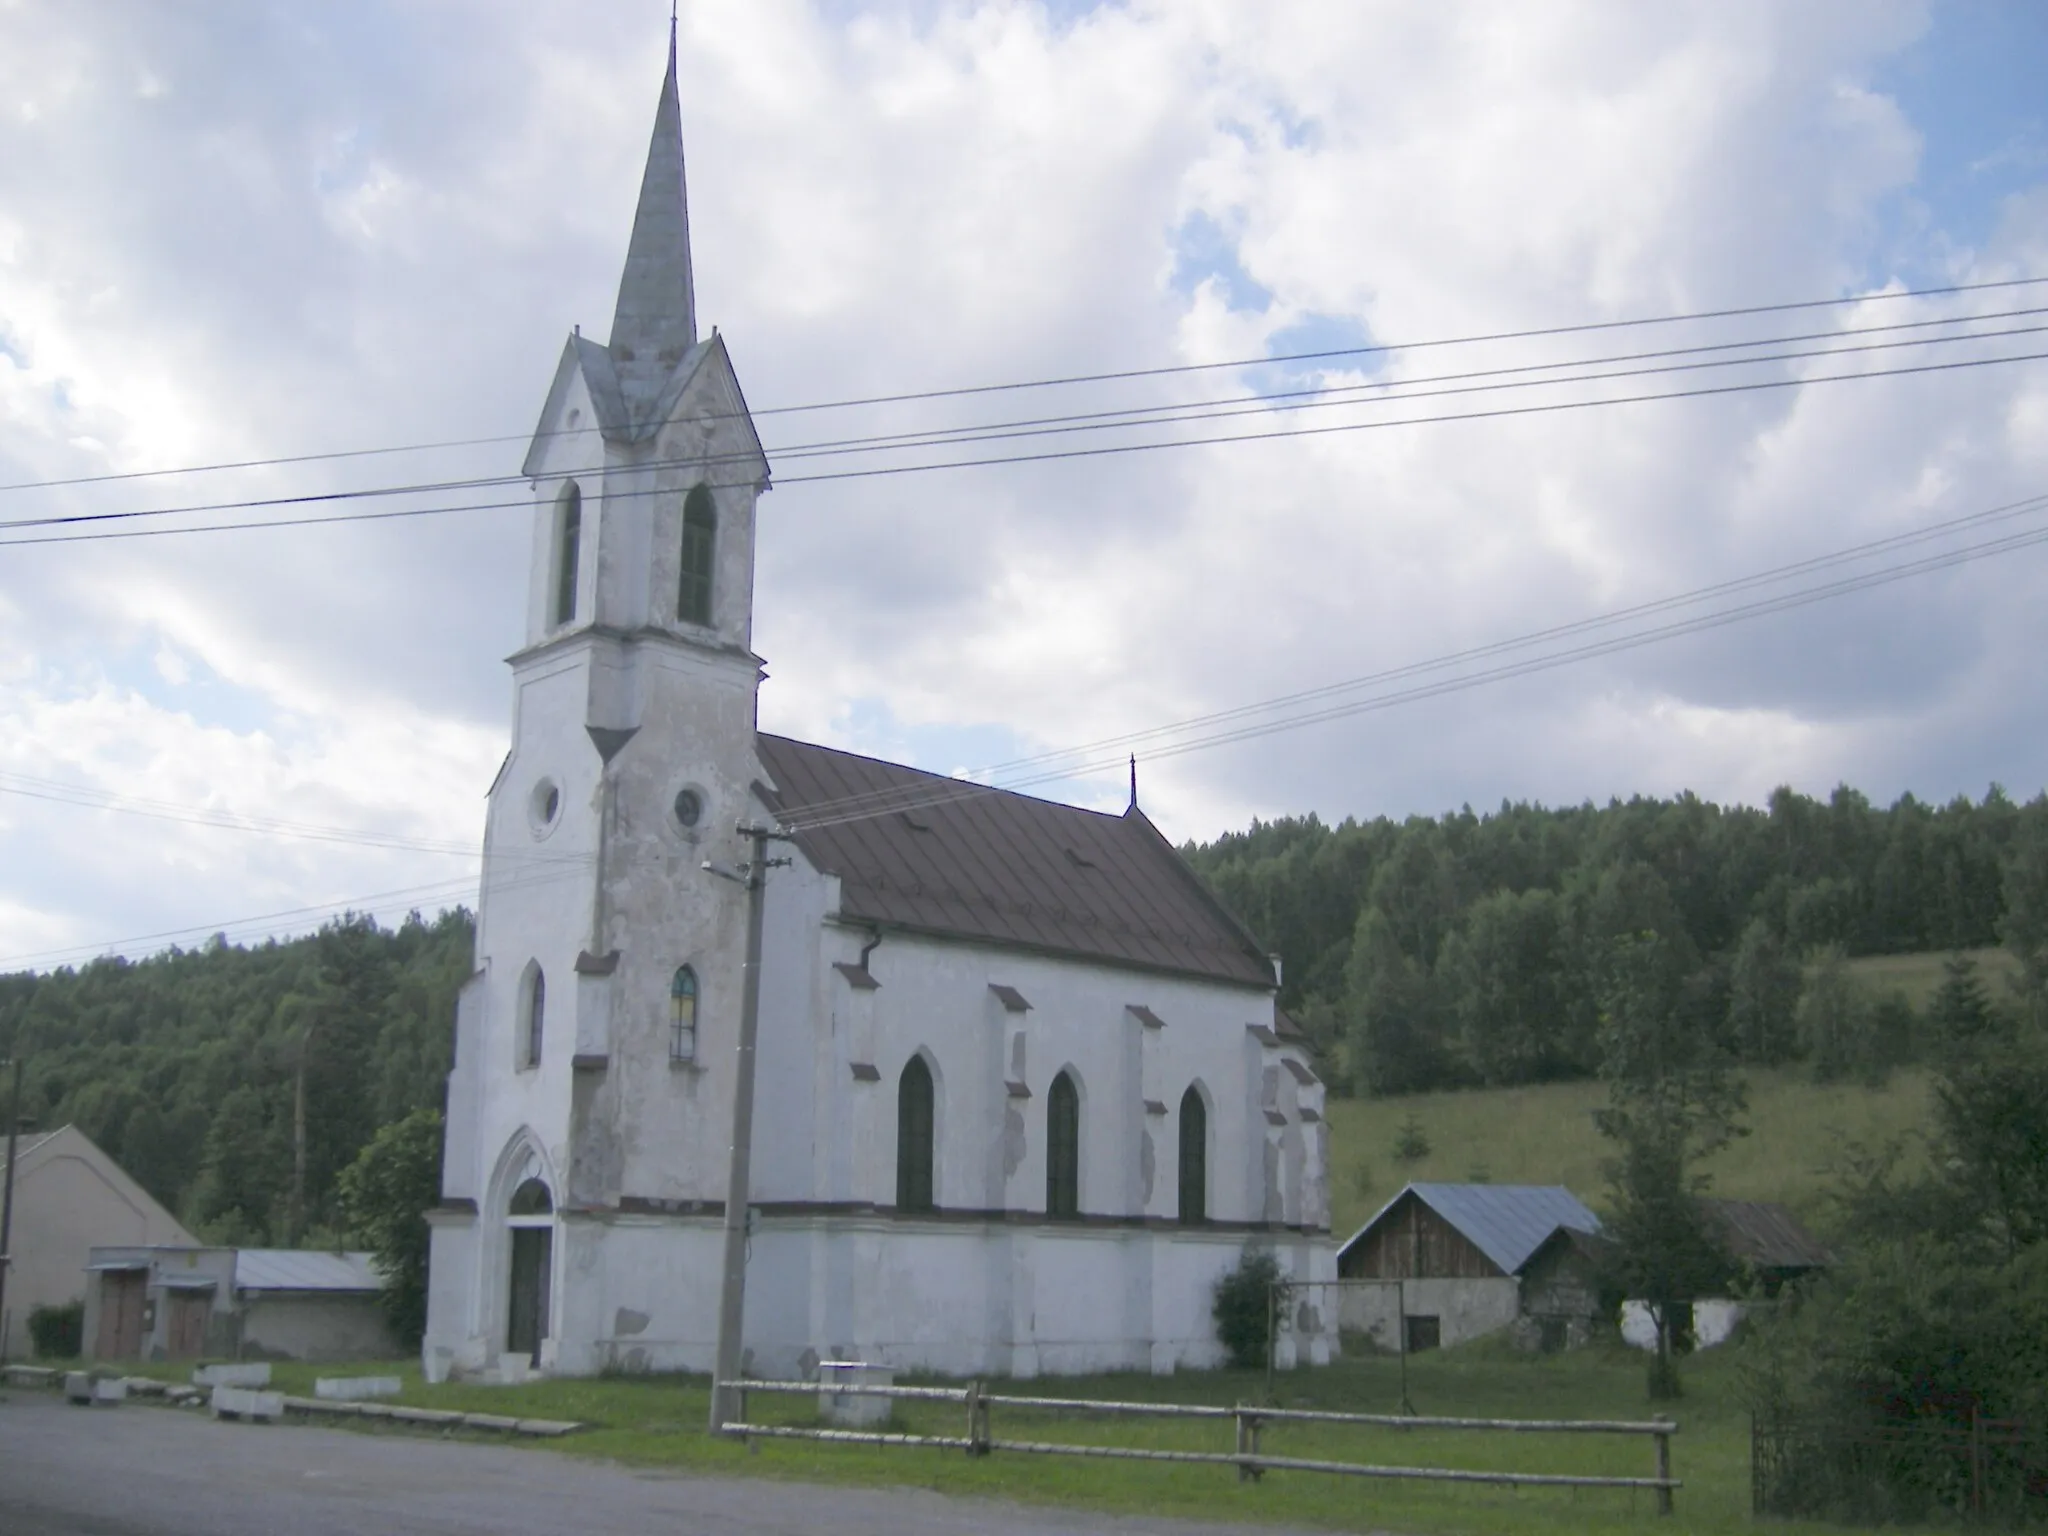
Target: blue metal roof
1506, 1222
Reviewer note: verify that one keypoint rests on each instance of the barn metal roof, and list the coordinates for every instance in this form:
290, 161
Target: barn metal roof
1767, 1235
1506, 1222
945, 856
298, 1269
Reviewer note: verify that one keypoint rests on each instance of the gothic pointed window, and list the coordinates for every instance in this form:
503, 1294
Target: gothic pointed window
700, 535
1063, 1149
534, 1006
682, 1016
568, 550
914, 1137
1194, 1158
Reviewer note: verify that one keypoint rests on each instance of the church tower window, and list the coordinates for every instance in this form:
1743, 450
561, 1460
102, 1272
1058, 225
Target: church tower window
1063, 1149
568, 548
682, 1016
914, 1137
1194, 1158
700, 535
534, 1007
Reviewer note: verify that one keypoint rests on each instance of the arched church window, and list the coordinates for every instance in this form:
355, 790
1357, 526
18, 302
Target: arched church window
1194, 1158
700, 534
535, 1009
1063, 1148
682, 1015
568, 548
531, 1198
914, 1137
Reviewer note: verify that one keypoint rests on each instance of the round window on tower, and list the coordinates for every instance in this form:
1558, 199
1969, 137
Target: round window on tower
544, 808
689, 808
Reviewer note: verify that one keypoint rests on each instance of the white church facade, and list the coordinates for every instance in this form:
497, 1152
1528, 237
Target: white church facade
1023, 1089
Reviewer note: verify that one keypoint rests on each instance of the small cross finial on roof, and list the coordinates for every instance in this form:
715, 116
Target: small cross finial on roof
1134, 781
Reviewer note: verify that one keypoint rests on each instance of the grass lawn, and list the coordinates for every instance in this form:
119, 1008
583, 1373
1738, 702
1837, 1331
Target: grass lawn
659, 1422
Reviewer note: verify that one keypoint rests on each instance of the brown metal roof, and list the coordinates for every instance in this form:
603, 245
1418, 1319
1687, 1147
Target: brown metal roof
920, 851
1768, 1235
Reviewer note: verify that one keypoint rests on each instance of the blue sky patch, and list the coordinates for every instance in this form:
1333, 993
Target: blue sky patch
1976, 88
1202, 249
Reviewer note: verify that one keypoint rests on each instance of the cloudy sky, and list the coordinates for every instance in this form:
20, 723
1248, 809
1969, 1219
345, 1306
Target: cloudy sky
239, 231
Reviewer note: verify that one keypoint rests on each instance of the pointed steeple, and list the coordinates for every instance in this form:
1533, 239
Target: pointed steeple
656, 319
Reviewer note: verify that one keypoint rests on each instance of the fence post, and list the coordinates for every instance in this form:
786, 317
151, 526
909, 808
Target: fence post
1248, 1445
977, 1420
1664, 1499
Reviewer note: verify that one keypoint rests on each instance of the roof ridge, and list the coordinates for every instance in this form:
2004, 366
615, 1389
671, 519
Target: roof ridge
944, 778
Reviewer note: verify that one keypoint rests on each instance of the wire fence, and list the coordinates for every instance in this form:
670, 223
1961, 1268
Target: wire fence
1250, 1423
1966, 1467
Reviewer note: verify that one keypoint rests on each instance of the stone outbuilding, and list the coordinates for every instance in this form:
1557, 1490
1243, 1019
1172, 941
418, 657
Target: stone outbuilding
69, 1196
188, 1302
1450, 1259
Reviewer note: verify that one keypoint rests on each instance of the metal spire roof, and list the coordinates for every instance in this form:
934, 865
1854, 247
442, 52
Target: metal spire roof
655, 323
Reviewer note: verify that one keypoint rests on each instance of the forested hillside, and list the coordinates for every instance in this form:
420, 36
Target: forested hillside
185, 1066
1462, 950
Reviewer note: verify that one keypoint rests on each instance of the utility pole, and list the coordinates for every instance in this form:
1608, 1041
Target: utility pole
7, 1203
732, 1295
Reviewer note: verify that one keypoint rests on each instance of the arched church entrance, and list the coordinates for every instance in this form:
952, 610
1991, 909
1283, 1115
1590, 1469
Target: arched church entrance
531, 1217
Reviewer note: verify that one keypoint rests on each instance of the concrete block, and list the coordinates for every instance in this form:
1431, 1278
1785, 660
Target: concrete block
78, 1388
548, 1428
490, 1421
349, 1389
255, 1373
31, 1376
146, 1386
247, 1403
109, 1392
853, 1410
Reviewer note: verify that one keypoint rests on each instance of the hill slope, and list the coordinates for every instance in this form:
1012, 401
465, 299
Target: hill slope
1545, 1135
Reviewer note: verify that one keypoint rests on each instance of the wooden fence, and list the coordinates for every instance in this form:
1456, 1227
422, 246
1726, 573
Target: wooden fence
1250, 1421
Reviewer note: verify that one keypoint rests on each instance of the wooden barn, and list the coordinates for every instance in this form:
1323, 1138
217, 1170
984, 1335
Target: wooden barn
1450, 1259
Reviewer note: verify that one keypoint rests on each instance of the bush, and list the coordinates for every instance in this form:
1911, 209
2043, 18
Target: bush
58, 1333
1243, 1307
1411, 1142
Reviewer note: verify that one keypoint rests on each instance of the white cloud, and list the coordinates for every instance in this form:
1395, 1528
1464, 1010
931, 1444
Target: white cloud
232, 234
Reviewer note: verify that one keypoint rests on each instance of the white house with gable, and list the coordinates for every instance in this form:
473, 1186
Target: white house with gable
1023, 1091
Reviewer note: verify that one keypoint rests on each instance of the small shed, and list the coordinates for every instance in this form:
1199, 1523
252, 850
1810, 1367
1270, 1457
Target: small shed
1562, 1301
1457, 1251
299, 1304
190, 1302
1765, 1244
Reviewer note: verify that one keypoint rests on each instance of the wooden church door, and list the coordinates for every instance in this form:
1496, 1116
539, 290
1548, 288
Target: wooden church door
532, 1264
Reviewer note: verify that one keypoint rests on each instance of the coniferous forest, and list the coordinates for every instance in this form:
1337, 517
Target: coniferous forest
1419, 954
1466, 950
185, 1066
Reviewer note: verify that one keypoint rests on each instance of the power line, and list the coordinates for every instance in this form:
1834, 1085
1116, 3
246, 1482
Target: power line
849, 809
58, 791
1368, 393
1110, 450
1045, 766
1119, 376
956, 790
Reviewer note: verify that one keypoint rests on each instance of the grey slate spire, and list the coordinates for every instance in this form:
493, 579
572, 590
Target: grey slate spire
656, 319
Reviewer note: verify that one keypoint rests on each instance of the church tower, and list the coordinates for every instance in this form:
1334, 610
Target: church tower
608, 961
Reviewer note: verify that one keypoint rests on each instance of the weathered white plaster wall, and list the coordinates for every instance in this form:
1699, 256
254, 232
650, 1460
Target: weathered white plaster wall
318, 1326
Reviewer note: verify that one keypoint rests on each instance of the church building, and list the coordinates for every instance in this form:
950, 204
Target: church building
1023, 1089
